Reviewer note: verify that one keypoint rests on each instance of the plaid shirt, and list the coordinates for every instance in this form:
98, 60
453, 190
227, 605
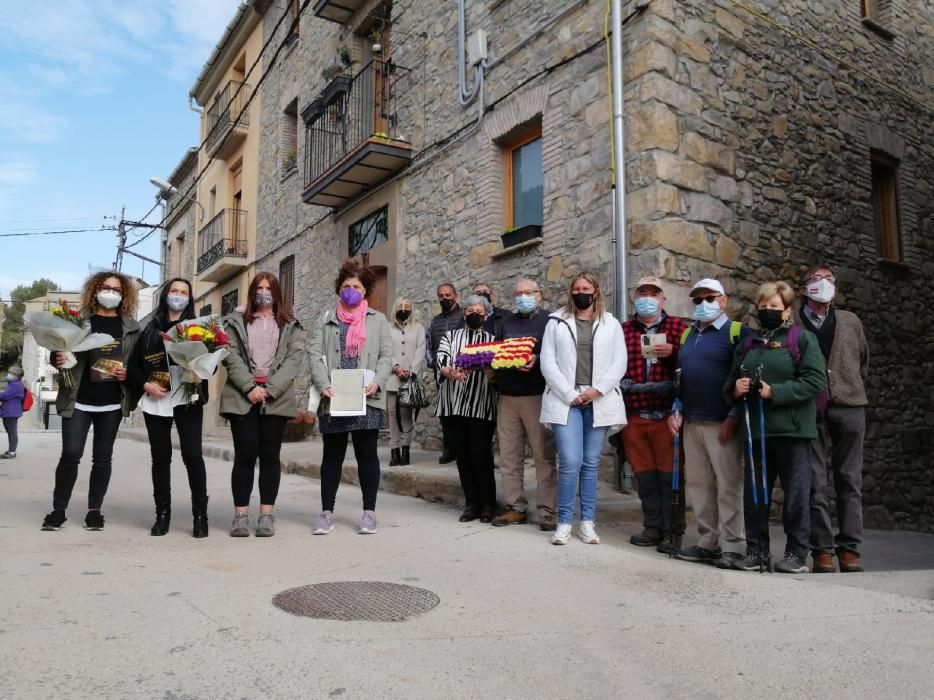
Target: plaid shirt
641, 371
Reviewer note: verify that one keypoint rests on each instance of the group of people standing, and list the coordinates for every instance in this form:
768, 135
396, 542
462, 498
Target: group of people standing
653, 377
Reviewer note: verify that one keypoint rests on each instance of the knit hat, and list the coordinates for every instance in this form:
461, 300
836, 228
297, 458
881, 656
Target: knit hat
16, 372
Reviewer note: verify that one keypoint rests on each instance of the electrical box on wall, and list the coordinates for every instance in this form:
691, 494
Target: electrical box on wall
476, 47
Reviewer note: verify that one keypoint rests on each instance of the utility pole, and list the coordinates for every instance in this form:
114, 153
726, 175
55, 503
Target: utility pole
121, 241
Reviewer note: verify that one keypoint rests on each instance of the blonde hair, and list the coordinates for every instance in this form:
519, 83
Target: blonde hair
779, 289
93, 284
598, 306
396, 305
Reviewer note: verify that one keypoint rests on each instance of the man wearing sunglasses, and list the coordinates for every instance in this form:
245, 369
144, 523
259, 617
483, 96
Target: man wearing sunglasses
842, 424
713, 462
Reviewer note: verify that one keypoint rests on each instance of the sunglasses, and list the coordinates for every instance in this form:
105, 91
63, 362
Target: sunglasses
710, 299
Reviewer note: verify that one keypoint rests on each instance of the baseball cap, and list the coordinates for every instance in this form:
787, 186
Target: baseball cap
708, 283
649, 281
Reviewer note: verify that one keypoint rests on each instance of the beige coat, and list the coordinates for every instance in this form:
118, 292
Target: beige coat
375, 355
408, 350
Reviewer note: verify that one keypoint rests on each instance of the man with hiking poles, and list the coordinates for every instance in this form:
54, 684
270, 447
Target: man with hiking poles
713, 466
842, 424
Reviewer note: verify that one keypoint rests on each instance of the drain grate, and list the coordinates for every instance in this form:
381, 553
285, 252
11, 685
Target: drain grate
375, 601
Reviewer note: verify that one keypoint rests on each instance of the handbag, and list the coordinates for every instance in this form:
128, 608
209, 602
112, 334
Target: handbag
411, 393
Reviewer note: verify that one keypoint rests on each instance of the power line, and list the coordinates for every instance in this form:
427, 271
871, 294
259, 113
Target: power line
57, 233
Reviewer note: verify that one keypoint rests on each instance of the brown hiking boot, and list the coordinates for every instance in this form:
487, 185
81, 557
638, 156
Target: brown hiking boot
510, 516
823, 563
849, 562
547, 523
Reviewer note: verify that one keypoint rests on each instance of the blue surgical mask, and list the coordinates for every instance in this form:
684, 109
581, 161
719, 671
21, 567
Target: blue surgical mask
647, 307
707, 311
525, 303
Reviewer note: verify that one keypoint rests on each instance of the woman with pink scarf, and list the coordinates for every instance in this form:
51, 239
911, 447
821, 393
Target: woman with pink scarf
351, 336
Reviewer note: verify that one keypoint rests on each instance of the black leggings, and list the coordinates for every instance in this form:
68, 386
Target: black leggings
74, 436
256, 436
332, 462
187, 420
12, 434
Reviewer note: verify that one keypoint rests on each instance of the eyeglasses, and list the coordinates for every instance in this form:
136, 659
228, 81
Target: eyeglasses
818, 278
106, 288
709, 299
526, 292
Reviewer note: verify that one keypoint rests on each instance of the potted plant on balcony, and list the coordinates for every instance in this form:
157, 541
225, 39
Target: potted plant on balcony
521, 234
345, 55
332, 71
376, 36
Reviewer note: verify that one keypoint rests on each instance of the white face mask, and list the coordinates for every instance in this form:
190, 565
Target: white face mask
176, 302
109, 299
821, 291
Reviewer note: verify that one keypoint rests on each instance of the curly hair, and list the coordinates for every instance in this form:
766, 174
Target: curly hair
353, 268
92, 285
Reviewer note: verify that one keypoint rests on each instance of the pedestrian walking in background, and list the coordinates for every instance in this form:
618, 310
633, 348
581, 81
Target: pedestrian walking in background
351, 336
266, 351
159, 381
11, 409
451, 318
713, 466
467, 407
99, 398
792, 373
517, 416
583, 361
408, 355
841, 425
653, 339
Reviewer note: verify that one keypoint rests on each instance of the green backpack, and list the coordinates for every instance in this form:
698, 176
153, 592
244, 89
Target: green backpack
735, 329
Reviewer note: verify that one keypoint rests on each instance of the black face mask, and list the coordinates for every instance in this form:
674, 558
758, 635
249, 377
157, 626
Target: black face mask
582, 301
770, 319
474, 321
402, 316
446, 304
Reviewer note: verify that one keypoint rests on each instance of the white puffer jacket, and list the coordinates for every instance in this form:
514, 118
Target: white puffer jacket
559, 365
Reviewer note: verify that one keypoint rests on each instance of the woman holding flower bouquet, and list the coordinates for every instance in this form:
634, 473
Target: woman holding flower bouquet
95, 394
351, 336
266, 350
467, 408
159, 380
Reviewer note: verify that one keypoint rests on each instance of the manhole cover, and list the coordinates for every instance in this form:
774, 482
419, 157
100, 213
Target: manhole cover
356, 600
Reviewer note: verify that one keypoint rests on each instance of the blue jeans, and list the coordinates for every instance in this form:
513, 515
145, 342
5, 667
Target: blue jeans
579, 446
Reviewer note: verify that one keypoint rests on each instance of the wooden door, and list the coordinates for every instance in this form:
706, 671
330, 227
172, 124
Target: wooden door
378, 297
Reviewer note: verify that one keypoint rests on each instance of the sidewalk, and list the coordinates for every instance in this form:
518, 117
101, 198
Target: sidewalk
424, 478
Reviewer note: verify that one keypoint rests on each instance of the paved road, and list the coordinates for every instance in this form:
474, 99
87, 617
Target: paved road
121, 614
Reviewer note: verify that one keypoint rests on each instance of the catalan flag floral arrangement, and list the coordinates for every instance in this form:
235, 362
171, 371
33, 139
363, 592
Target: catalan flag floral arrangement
197, 346
502, 354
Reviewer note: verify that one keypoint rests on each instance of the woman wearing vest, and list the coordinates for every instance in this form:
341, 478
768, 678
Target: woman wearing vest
351, 336
468, 403
163, 402
583, 360
11, 409
100, 396
267, 346
408, 353
789, 361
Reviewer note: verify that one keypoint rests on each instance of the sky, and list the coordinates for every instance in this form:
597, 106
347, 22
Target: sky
93, 102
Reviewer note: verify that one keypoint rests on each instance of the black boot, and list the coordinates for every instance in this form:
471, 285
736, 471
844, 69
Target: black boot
163, 517
199, 509
394, 457
404, 456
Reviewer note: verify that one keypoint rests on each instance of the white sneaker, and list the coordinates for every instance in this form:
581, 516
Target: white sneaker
587, 534
562, 534
324, 524
367, 524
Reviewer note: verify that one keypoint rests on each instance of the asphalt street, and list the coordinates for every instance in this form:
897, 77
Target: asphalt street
118, 613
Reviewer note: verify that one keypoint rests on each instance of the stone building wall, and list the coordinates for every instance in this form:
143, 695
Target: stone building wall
747, 144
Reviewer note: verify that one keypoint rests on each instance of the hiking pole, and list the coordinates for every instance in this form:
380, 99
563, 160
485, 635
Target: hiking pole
676, 523
765, 553
750, 457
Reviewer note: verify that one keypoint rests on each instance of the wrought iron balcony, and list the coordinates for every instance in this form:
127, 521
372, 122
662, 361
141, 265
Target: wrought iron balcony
228, 123
339, 11
352, 135
222, 245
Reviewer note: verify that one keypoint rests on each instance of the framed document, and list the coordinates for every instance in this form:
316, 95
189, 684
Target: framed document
649, 341
349, 398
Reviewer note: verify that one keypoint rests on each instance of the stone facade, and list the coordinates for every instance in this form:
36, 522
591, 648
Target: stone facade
180, 221
749, 129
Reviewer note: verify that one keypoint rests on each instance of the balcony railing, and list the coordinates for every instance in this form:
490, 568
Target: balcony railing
226, 112
224, 235
354, 125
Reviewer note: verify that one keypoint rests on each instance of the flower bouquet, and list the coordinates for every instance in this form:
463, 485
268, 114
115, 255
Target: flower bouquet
197, 346
502, 354
63, 330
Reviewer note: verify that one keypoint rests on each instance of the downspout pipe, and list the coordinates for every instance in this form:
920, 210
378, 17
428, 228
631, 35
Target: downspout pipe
619, 164
464, 95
